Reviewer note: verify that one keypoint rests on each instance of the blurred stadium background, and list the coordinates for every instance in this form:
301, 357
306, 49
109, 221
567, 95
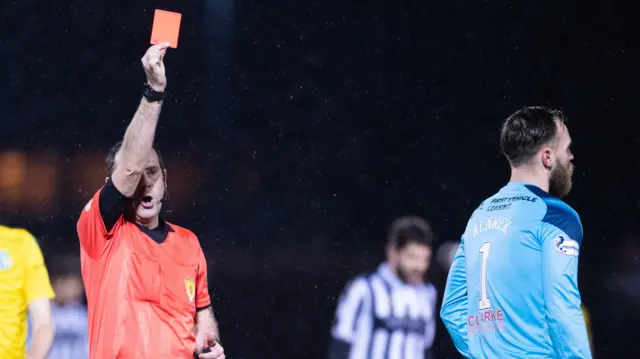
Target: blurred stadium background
295, 132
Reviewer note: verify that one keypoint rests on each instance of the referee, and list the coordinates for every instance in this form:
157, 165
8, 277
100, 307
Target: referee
390, 314
145, 278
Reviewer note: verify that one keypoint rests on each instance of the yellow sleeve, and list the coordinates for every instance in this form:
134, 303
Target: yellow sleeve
585, 313
587, 320
37, 284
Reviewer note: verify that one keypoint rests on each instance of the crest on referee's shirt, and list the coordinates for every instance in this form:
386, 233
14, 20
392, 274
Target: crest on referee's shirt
190, 286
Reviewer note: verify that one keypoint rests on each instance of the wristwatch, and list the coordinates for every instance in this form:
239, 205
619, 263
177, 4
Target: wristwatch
152, 95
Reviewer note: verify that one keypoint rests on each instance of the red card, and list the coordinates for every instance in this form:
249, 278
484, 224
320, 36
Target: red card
166, 27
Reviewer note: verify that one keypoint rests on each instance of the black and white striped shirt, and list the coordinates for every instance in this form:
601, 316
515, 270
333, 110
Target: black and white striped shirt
381, 317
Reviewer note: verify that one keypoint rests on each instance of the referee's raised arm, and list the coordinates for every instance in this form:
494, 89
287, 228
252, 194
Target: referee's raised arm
100, 216
138, 139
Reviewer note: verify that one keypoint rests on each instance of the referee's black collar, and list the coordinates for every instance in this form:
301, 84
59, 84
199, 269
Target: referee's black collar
165, 227
162, 227
158, 234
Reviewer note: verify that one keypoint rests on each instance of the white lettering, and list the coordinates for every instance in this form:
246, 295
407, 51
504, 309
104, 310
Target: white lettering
498, 223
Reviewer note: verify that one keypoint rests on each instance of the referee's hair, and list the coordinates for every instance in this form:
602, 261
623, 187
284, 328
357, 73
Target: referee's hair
111, 158
526, 131
409, 229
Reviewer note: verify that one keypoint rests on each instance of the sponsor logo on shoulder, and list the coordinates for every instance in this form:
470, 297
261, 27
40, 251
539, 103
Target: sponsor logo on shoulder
88, 206
567, 246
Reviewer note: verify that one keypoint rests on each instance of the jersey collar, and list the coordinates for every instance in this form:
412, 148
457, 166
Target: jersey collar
158, 234
387, 274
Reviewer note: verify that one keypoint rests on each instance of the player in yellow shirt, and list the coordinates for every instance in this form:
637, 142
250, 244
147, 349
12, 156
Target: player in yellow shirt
24, 285
587, 322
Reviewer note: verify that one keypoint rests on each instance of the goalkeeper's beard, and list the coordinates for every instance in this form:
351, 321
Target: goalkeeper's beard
561, 180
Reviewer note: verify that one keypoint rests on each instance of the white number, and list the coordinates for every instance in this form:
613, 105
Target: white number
484, 302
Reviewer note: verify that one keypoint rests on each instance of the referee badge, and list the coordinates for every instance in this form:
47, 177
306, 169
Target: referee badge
190, 286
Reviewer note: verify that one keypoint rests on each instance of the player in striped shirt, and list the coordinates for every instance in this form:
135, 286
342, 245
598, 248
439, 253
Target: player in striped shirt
390, 314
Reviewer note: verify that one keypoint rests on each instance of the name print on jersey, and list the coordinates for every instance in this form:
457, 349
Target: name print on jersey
497, 223
488, 321
504, 203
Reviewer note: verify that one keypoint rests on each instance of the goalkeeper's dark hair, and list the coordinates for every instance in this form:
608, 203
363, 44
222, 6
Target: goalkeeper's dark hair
410, 229
111, 158
526, 131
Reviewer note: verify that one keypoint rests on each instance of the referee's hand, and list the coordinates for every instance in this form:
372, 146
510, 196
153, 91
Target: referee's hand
214, 352
153, 65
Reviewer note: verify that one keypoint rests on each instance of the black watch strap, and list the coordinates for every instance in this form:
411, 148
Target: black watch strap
152, 95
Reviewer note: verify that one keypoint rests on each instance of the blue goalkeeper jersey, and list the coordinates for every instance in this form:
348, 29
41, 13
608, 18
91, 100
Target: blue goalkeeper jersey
512, 290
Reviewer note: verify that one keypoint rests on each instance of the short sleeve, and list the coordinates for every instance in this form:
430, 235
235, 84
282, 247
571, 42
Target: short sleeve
91, 228
354, 303
202, 287
37, 284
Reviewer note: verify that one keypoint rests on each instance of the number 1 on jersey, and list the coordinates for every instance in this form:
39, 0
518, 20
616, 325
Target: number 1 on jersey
484, 302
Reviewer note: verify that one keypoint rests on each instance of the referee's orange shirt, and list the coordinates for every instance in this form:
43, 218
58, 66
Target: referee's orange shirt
142, 295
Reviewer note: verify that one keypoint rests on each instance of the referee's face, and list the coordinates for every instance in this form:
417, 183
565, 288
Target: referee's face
412, 262
150, 193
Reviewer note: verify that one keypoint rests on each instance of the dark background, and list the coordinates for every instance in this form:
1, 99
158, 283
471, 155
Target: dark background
296, 131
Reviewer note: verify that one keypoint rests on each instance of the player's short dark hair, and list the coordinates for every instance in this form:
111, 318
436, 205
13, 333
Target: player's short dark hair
111, 158
410, 229
527, 130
